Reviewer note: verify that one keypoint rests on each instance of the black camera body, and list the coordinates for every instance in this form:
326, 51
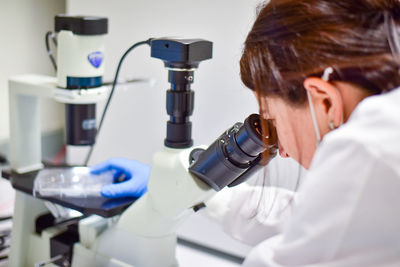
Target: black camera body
181, 53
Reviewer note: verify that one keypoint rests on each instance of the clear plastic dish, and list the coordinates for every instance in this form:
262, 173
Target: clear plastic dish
70, 182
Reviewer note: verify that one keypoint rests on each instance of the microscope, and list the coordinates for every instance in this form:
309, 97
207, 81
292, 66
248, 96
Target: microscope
126, 232
182, 178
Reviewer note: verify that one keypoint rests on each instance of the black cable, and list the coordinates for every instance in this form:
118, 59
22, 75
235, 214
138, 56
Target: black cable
148, 42
51, 34
3, 258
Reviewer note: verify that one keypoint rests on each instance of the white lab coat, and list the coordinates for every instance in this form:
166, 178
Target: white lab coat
347, 210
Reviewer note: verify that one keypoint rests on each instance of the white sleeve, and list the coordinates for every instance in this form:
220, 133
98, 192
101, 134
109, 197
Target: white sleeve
251, 214
343, 214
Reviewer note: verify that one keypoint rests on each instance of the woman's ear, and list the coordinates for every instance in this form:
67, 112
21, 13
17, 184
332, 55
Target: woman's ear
326, 100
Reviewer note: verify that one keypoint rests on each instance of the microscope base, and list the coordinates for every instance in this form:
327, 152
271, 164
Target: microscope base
122, 249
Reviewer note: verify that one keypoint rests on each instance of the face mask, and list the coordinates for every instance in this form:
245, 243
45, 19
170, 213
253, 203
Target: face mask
325, 76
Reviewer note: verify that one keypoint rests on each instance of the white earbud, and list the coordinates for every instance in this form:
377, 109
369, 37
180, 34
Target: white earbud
327, 72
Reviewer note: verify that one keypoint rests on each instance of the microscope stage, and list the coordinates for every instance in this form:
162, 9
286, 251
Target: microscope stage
101, 206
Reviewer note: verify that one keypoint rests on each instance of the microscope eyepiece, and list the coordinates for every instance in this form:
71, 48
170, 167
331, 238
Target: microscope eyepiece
233, 156
249, 137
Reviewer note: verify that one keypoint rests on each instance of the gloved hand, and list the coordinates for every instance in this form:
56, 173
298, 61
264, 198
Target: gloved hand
134, 175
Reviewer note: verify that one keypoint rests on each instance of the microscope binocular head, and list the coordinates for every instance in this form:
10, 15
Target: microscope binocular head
236, 154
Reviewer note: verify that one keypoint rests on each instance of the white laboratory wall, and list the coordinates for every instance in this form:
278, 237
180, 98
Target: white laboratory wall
135, 124
23, 24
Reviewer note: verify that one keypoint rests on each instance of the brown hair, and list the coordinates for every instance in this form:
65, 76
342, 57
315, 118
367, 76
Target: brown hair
292, 40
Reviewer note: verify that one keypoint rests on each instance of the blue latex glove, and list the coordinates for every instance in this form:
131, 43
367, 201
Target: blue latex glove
133, 174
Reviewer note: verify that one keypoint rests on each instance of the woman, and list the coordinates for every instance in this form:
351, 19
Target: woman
326, 72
